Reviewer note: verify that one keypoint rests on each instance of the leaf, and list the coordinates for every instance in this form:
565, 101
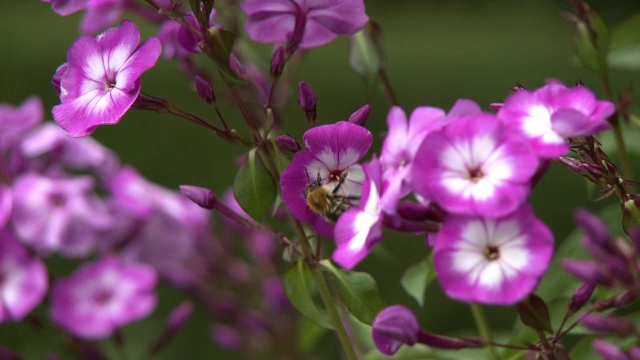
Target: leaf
298, 285
416, 279
624, 51
365, 52
358, 291
254, 187
534, 313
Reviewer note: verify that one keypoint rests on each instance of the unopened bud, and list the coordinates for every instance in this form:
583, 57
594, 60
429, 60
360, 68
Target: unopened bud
608, 324
308, 101
288, 143
236, 66
201, 196
151, 103
608, 350
581, 296
360, 116
496, 106
277, 62
393, 327
204, 89
586, 271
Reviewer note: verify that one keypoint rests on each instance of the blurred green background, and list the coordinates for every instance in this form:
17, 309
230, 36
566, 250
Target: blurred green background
436, 52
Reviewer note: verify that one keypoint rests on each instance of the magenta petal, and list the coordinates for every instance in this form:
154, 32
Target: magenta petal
342, 18
82, 115
144, 58
349, 142
67, 7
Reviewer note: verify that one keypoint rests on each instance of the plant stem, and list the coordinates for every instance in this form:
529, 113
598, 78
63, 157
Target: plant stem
325, 294
483, 329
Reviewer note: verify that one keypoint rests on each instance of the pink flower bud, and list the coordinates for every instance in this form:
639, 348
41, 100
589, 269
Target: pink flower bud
204, 89
394, 326
288, 143
608, 324
608, 350
277, 61
308, 101
201, 196
360, 116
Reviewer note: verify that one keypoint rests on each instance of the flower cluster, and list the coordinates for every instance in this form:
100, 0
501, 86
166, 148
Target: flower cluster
458, 180
476, 168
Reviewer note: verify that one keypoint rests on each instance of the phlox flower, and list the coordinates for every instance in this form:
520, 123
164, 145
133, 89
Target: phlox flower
163, 228
399, 148
303, 23
49, 145
474, 165
99, 297
58, 214
23, 279
489, 260
330, 160
15, 122
360, 228
553, 113
101, 78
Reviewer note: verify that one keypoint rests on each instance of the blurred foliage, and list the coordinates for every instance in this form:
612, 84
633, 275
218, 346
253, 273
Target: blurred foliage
435, 53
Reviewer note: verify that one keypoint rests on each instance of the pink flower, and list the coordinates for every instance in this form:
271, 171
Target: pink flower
23, 279
553, 113
393, 327
102, 296
303, 23
492, 261
474, 166
16, 122
101, 79
325, 180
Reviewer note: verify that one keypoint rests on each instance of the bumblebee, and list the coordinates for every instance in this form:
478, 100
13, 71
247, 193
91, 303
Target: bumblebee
325, 200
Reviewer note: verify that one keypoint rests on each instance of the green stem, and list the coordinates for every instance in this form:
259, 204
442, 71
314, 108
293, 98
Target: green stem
605, 87
326, 296
483, 329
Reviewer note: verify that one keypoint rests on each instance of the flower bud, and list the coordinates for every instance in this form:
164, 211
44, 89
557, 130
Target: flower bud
394, 326
586, 271
286, 142
277, 62
581, 296
360, 116
201, 196
608, 350
308, 101
204, 89
608, 324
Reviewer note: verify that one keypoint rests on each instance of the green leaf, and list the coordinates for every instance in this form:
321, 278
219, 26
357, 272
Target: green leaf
254, 187
308, 334
298, 285
365, 53
416, 279
358, 291
534, 313
624, 52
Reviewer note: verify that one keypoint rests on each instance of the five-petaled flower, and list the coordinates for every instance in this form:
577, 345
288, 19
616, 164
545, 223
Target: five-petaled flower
325, 180
492, 261
303, 23
101, 79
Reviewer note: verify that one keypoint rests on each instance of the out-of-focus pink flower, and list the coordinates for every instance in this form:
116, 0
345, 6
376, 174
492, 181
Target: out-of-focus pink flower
58, 214
23, 279
100, 297
303, 23
15, 122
